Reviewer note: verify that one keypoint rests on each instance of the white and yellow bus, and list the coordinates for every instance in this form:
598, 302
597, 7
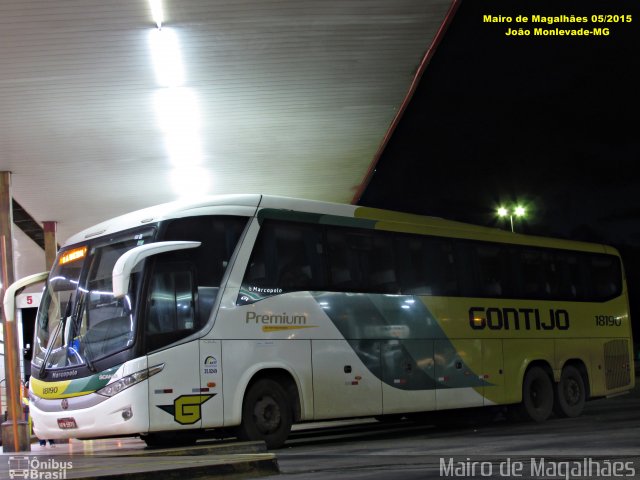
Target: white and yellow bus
257, 312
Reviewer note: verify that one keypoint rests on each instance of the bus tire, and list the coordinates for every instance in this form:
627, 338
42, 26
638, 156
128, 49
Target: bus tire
537, 395
570, 393
266, 414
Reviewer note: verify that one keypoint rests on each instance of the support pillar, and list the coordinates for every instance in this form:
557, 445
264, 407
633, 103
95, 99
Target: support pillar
6, 227
50, 243
15, 431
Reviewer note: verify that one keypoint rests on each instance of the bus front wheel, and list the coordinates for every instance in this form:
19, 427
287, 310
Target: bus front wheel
266, 414
570, 393
537, 395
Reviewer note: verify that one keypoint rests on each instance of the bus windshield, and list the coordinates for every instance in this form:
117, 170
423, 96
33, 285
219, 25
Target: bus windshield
79, 320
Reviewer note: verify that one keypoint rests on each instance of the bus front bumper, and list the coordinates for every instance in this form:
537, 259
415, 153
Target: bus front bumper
123, 414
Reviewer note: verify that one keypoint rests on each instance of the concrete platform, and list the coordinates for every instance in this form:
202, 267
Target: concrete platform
129, 458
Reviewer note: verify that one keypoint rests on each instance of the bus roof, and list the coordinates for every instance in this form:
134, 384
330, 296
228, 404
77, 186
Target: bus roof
162, 212
248, 204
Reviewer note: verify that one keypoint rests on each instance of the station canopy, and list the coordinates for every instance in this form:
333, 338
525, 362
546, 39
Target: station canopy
111, 106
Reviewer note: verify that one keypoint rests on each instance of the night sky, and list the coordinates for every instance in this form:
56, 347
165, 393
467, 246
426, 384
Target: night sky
551, 122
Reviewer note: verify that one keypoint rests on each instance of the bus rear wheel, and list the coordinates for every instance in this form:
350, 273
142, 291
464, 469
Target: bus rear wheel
537, 395
266, 414
570, 393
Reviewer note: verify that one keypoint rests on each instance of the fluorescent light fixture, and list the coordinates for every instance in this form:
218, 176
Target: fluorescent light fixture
157, 12
184, 149
190, 181
177, 110
179, 118
167, 60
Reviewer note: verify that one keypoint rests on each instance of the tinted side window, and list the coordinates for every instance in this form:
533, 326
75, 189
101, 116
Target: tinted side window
492, 267
426, 266
361, 260
287, 257
184, 284
291, 256
569, 269
537, 273
171, 312
219, 236
605, 276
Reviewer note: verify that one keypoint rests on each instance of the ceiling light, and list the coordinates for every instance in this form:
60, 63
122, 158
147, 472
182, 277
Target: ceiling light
177, 110
178, 116
157, 12
184, 148
167, 60
190, 181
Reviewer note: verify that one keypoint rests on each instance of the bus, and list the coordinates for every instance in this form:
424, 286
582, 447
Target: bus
249, 313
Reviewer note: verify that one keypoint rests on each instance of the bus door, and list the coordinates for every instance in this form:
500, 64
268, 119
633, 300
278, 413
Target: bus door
346, 378
458, 370
175, 396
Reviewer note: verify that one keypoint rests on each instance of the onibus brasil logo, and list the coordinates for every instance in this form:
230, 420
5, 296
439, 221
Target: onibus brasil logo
37, 469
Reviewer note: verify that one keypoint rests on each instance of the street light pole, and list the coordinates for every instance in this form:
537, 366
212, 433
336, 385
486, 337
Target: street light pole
518, 211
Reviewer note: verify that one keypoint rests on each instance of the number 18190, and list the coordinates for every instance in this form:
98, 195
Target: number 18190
608, 321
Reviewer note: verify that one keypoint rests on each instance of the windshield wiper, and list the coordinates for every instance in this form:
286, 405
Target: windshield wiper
87, 354
59, 327
76, 321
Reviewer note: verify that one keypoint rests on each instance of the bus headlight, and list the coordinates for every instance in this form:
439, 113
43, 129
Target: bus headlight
128, 381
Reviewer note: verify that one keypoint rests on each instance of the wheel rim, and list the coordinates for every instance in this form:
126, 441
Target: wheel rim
266, 415
572, 392
537, 394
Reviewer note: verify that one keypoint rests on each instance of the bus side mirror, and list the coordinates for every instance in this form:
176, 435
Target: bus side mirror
128, 261
9, 301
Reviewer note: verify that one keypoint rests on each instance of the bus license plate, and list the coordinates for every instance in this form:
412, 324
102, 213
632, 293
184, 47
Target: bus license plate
67, 423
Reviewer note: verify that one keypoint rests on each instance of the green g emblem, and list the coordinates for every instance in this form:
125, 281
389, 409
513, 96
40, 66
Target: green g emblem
186, 409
